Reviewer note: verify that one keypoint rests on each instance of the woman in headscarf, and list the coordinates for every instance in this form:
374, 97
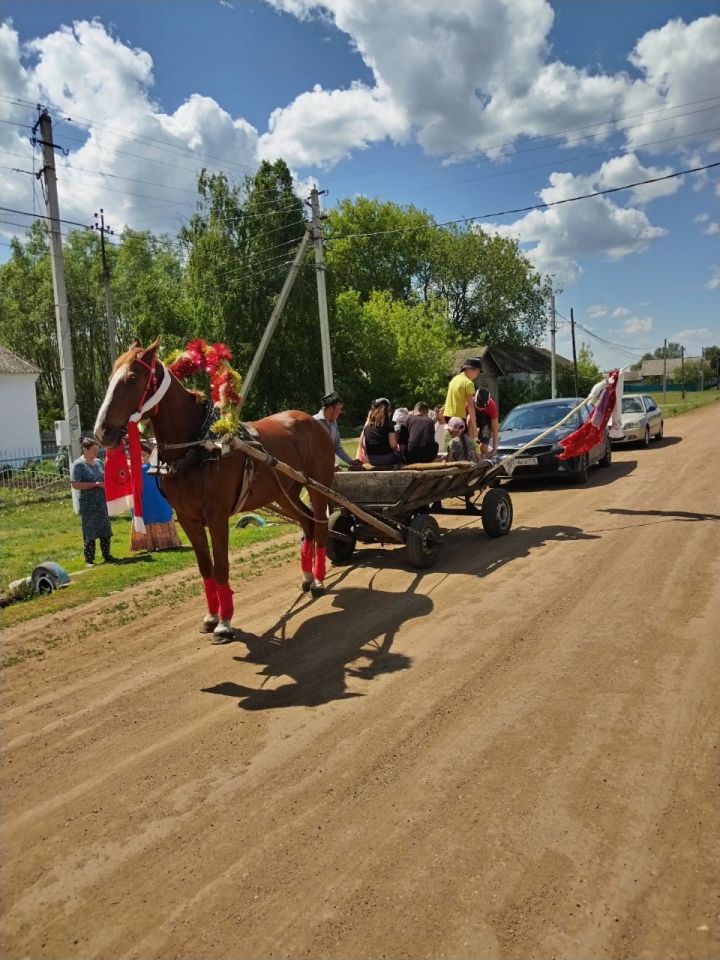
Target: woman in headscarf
87, 476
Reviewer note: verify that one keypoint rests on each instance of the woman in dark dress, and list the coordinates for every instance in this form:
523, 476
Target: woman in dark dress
380, 439
88, 478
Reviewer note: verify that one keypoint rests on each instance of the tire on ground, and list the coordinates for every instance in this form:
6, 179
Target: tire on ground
497, 513
423, 540
340, 549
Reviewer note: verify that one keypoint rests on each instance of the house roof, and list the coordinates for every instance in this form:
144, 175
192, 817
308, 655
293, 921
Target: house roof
11, 363
654, 368
511, 359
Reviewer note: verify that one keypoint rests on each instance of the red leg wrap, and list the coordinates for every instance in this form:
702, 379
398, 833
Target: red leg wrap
211, 595
306, 556
225, 596
320, 565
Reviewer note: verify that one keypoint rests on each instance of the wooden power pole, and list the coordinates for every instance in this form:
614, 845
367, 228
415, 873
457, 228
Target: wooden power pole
110, 316
322, 292
67, 371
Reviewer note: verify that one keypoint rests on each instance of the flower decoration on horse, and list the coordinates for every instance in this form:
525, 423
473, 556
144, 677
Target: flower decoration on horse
225, 381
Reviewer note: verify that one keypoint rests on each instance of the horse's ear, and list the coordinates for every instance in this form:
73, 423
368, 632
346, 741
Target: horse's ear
135, 343
150, 351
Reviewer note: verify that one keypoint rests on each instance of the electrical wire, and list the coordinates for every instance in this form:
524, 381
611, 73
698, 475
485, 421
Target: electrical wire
535, 206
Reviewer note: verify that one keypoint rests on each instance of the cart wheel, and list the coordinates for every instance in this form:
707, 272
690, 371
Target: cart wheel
340, 549
497, 513
423, 540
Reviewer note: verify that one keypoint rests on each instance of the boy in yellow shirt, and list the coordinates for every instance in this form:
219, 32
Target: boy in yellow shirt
460, 390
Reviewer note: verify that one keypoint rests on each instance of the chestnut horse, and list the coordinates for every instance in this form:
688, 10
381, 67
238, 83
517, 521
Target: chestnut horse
206, 493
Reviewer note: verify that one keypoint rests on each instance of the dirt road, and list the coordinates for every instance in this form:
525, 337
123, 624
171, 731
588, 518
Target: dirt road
511, 755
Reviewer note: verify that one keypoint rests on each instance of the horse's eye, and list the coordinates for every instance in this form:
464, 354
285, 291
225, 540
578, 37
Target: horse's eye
131, 377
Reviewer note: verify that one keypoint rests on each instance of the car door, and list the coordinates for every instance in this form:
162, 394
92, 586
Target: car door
653, 415
598, 451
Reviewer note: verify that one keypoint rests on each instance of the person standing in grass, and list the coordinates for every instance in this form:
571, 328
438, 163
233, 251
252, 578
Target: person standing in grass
160, 530
87, 476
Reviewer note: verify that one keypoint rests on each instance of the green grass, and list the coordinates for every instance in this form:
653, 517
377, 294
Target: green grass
33, 533
675, 406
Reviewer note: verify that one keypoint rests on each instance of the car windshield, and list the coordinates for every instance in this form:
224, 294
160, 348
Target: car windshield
632, 405
539, 417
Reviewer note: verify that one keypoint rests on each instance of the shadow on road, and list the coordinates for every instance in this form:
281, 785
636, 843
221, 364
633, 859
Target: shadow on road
351, 639
469, 551
667, 514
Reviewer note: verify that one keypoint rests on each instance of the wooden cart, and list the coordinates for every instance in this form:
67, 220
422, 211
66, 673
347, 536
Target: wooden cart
393, 506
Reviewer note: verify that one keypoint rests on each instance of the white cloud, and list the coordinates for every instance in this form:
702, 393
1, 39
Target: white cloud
621, 312
702, 218
635, 325
149, 158
321, 127
692, 334
474, 74
596, 227
712, 229
679, 63
714, 281
596, 311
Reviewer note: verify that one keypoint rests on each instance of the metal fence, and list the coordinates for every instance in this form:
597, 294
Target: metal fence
26, 479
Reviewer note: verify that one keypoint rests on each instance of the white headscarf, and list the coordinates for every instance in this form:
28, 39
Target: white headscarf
400, 416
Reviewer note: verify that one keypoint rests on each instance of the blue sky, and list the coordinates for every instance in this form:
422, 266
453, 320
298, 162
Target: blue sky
465, 109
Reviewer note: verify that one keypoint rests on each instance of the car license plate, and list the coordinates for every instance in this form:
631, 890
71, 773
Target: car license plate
527, 461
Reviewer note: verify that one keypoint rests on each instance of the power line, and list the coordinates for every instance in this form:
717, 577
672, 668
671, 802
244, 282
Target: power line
535, 206
554, 135
42, 216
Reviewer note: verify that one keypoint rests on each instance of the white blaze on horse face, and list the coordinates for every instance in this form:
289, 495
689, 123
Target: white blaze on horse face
102, 412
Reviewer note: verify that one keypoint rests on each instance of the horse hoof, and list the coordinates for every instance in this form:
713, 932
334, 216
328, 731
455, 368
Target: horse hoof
317, 589
209, 624
223, 632
305, 586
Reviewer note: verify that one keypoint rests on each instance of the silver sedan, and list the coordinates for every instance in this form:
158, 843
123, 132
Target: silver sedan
641, 419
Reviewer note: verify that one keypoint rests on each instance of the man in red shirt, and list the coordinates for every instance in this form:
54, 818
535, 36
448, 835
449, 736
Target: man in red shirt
486, 416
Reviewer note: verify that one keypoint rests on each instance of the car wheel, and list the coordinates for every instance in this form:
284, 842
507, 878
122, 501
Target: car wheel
661, 432
646, 439
581, 474
606, 460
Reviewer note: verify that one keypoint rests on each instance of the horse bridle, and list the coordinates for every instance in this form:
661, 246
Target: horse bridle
151, 379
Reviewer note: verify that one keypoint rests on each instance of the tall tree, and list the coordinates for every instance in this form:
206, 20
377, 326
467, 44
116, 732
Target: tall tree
27, 316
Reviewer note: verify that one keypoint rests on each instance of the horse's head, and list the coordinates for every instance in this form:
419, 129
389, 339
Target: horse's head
131, 383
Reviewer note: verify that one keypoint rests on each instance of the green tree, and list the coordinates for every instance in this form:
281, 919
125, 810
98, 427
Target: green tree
672, 351
238, 247
27, 316
494, 293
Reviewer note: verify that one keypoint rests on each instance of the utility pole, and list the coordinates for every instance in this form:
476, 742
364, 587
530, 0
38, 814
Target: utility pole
682, 369
553, 366
572, 334
302, 249
112, 333
67, 372
664, 369
322, 292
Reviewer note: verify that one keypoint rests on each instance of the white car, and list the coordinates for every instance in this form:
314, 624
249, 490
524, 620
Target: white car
641, 419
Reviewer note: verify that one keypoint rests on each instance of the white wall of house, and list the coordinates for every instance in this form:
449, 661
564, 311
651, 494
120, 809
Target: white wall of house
19, 425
